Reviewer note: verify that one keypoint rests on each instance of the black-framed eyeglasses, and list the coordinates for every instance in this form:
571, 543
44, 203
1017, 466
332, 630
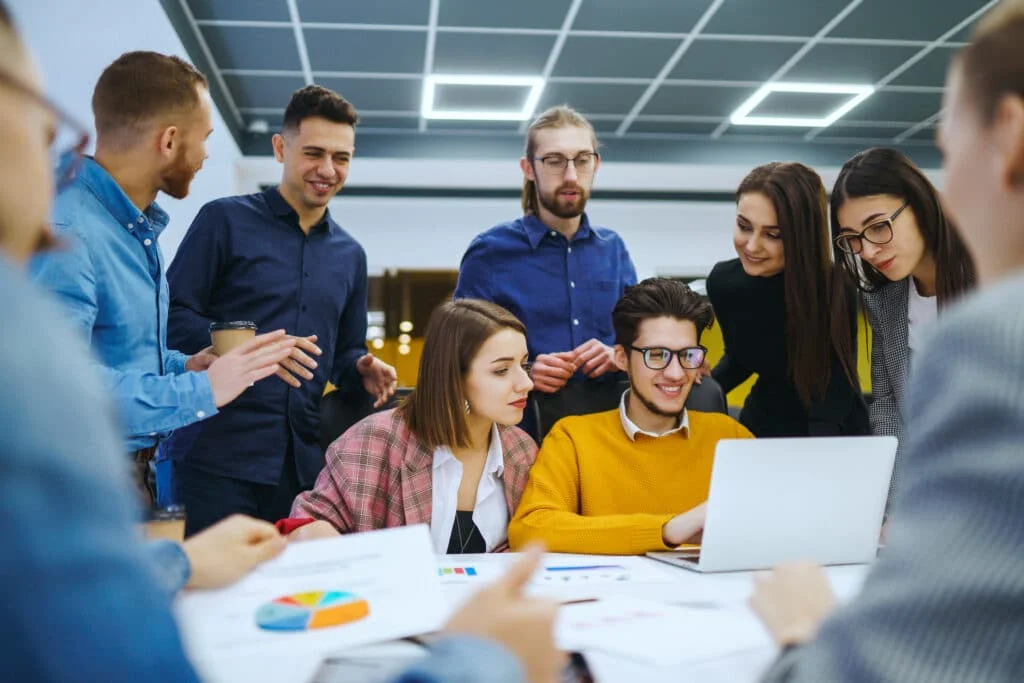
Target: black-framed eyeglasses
658, 357
583, 162
69, 140
880, 232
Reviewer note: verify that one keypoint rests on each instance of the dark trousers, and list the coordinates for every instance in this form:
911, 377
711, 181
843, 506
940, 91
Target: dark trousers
209, 498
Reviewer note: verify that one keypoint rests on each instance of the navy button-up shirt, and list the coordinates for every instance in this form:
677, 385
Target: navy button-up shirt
111, 283
246, 258
563, 291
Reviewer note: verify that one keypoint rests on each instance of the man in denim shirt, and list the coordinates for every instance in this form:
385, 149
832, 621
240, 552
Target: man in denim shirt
79, 599
555, 271
153, 117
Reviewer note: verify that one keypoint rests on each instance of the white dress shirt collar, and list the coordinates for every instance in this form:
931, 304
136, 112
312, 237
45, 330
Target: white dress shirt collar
632, 430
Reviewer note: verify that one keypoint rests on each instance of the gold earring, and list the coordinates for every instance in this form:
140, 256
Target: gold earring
467, 406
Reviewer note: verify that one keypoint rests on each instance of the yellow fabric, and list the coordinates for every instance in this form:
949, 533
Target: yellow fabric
592, 490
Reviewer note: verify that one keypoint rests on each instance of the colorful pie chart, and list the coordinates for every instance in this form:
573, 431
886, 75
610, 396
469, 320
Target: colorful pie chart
309, 611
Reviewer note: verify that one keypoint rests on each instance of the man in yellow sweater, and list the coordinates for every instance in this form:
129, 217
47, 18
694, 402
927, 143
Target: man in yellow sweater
634, 479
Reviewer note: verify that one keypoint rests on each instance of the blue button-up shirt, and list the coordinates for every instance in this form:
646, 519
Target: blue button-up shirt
110, 279
562, 290
246, 258
80, 598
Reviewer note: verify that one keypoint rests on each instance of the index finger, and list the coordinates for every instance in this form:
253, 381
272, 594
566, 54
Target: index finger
520, 572
262, 340
307, 344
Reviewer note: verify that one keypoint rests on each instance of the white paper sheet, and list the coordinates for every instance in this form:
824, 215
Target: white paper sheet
656, 633
390, 575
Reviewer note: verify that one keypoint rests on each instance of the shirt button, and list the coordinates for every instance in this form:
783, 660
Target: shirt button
572, 284
570, 250
306, 274
140, 219
575, 321
131, 226
554, 234
200, 414
147, 241
303, 309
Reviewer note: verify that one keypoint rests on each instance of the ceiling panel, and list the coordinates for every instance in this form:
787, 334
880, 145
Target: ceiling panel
349, 12
678, 127
534, 14
679, 100
383, 95
391, 122
897, 106
235, 47
813, 105
263, 92
866, 132
731, 60
474, 53
591, 99
739, 132
925, 134
858, 64
497, 126
906, 19
614, 57
931, 70
480, 97
774, 17
656, 16
251, 10
373, 51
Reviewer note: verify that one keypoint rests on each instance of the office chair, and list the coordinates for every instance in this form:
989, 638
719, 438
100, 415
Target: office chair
339, 410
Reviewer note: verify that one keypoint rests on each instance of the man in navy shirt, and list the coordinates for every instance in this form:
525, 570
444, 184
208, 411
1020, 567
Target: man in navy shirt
555, 271
276, 258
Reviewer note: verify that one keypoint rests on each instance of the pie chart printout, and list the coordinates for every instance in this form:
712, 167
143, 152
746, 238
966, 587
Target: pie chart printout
310, 611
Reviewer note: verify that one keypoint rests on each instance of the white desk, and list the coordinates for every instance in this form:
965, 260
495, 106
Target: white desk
727, 592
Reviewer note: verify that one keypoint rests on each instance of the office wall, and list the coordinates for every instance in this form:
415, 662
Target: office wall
74, 41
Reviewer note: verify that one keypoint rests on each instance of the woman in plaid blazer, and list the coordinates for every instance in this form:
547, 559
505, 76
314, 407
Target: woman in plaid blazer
450, 456
894, 243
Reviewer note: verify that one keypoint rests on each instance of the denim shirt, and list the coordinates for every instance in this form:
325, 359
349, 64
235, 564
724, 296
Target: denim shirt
562, 290
80, 598
110, 278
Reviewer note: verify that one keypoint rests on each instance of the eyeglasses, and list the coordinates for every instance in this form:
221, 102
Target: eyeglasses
876, 233
583, 162
70, 138
659, 358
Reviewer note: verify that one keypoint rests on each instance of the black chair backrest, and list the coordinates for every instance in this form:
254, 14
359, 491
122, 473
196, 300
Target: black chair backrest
583, 398
339, 410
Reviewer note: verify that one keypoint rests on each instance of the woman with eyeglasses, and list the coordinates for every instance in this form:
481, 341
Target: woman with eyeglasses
895, 244
773, 303
450, 456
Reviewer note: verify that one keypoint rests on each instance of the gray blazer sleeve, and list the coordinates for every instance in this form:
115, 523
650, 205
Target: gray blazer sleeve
943, 603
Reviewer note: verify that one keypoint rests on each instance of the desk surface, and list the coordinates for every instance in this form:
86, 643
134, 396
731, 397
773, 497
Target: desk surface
725, 593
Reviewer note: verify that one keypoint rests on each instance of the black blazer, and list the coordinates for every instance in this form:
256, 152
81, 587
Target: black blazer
752, 314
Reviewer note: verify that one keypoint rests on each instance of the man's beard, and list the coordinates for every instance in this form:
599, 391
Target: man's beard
551, 203
651, 405
178, 178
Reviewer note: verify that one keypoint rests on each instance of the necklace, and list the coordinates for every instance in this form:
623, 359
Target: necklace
463, 544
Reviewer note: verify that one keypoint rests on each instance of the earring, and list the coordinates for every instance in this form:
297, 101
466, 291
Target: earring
467, 406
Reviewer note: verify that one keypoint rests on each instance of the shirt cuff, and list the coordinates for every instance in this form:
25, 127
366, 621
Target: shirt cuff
173, 569
175, 364
466, 659
203, 405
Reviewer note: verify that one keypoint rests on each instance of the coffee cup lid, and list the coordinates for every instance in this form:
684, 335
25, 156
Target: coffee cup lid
233, 325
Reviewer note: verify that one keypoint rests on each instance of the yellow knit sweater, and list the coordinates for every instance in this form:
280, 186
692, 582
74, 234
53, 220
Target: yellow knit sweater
592, 490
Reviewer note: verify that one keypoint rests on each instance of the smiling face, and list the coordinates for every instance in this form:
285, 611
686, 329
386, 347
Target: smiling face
756, 238
497, 383
897, 258
657, 394
316, 158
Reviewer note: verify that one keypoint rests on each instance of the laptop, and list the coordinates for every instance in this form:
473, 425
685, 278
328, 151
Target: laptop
778, 500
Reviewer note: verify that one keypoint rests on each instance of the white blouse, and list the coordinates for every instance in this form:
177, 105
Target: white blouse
922, 311
490, 514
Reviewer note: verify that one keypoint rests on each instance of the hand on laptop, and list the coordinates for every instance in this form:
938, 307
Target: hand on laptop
685, 528
792, 601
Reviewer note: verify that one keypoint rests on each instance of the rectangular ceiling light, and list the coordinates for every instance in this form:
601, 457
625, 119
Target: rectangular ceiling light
858, 93
534, 83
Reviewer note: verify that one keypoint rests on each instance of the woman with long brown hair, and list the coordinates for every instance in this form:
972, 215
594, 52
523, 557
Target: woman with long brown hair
773, 303
894, 243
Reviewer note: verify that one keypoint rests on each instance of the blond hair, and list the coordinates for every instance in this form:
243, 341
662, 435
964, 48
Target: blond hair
562, 116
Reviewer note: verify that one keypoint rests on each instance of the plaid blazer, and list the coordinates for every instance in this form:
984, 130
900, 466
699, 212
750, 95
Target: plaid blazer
379, 475
890, 360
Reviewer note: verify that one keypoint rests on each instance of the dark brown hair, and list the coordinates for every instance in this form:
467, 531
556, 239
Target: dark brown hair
139, 88
800, 202
561, 116
318, 101
882, 171
436, 409
658, 297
